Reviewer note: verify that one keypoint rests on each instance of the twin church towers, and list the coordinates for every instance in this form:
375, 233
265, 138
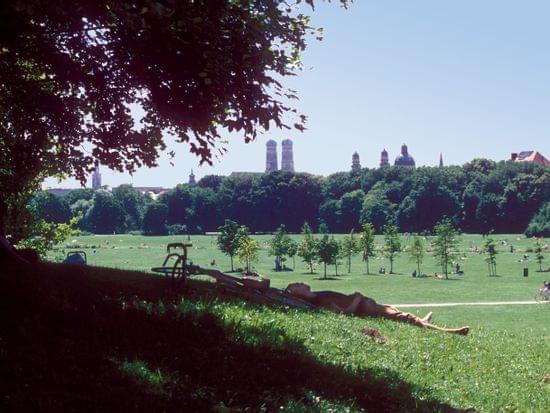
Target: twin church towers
287, 159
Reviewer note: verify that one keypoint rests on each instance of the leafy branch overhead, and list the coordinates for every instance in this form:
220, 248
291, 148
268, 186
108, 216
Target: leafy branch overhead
72, 70
75, 74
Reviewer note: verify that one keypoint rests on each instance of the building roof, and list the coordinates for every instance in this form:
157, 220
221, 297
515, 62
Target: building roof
532, 156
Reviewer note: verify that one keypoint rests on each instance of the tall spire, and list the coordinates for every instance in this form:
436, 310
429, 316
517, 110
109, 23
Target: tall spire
96, 177
441, 160
287, 158
271, 163
192, 178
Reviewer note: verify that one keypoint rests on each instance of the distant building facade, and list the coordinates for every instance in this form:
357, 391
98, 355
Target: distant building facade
530, 156
355, 162
287, 156
61, 192
384, 160
244, 174
271, 163
405, 159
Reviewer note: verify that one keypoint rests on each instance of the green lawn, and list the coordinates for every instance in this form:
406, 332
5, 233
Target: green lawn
141, 253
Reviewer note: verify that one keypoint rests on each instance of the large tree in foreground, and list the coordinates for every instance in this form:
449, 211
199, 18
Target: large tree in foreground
71, 72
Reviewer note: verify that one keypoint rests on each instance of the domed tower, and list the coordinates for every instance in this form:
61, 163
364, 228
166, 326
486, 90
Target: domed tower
404, 159
384, 160
271, 163
355, 163
287, 160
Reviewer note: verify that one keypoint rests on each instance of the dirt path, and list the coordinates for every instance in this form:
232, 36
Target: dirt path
469, 304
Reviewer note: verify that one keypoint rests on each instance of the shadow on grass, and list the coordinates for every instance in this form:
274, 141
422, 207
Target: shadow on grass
89, 339
335, 278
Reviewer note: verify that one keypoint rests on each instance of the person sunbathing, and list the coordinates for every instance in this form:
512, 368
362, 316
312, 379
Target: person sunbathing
361, 305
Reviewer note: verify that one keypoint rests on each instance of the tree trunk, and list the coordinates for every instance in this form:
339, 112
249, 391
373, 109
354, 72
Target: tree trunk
325, 270
391, 265
418, 265
349, 263
8, 253
368, 270
231, 256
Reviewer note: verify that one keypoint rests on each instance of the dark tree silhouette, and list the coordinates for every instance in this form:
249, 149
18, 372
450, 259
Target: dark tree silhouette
70, 72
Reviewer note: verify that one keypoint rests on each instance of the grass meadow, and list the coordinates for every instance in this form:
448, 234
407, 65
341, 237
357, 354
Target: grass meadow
155, 348
132, 252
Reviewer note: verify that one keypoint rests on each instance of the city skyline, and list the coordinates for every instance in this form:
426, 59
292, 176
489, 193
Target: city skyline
185, 177
467, 80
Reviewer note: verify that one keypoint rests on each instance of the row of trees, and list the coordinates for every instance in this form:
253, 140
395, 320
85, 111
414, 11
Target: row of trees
481, 196
234, 240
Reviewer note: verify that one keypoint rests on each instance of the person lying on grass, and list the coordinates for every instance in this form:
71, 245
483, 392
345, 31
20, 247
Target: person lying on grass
360, 305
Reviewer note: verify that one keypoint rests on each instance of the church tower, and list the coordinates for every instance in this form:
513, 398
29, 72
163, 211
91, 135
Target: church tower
287, 159
384, 161
355, 163
405, 159
96, 177
192, 178
271, 163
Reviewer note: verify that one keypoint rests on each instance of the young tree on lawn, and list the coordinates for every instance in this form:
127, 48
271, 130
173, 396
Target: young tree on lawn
350, 247
366, 243
307, 248
229, 237
445, 243
327, 251
490, 249
538, 251
292, 250
340, 255
248, 251
69, 76
279, 246
392, 244
417, 252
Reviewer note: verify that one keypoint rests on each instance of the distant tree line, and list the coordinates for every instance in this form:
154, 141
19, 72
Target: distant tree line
479, 197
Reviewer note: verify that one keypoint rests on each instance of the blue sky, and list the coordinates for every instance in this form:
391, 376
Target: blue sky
465, 78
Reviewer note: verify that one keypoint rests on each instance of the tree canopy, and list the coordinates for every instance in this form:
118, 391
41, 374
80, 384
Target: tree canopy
74, 74
263, 202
